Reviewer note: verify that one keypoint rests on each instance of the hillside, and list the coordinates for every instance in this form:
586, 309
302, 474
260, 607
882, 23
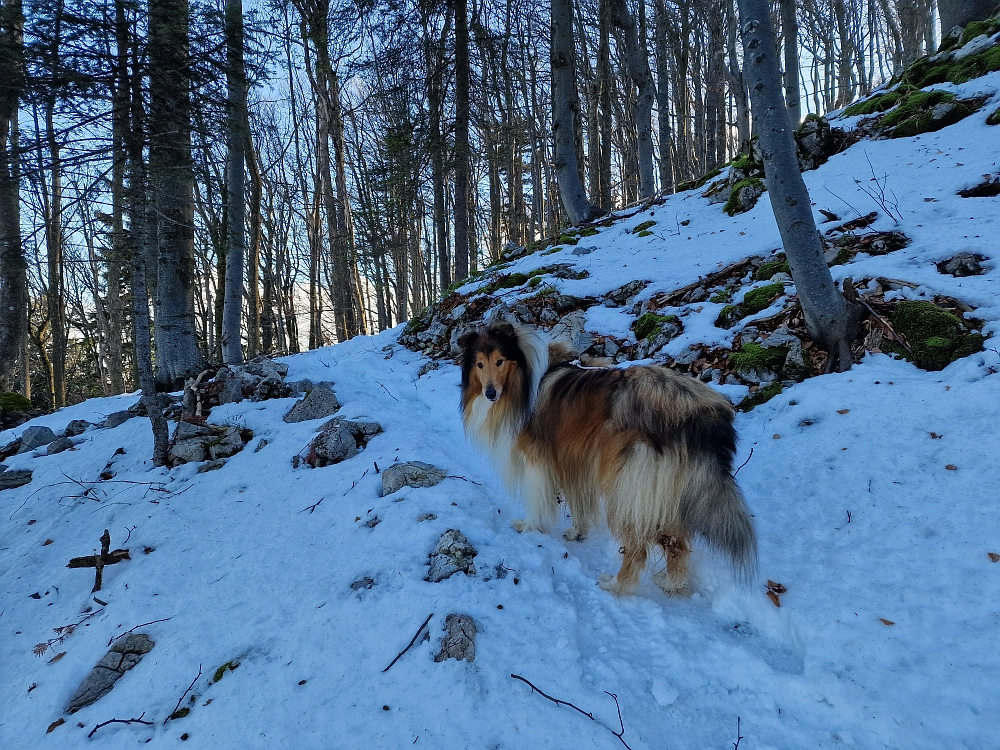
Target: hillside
874, 494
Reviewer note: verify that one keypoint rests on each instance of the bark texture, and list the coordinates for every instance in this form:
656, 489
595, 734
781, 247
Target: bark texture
829, 318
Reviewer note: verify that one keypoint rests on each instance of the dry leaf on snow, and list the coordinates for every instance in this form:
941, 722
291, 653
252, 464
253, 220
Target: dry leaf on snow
885, 621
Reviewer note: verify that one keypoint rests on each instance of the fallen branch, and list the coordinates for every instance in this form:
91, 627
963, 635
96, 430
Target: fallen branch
745, 462
136, 627
410, 644
312, 507
736, 745
464, 479
120, 721
387, 391
62, 633
181, 699
577, 708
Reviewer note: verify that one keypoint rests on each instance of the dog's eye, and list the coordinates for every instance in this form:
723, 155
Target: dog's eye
499, 362
479, 365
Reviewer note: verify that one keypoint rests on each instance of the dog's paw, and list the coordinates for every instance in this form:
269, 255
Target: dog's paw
520, 526
669, 586
610, 584
572, 534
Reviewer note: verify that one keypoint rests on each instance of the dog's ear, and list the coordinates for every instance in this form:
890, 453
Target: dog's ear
502, 328
468, 340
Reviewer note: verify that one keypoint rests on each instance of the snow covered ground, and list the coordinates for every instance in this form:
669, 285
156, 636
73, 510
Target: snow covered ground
888, 635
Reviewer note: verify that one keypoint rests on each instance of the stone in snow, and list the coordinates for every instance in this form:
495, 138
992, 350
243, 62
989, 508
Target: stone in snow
410, 474
320, 402
451, 554
459, 641
126, 652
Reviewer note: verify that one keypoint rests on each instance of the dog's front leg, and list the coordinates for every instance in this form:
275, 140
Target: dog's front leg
540, 500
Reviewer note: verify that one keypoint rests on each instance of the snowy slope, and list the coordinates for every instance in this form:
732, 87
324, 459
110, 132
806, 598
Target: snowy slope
239, 570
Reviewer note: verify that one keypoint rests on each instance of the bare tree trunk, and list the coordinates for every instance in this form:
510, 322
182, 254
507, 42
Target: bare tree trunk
829, 318
565, 113
236, 135
138, 237
663, 97
790, 32
462, 78
605, 199
715, 88
172, 177
637, 62
734, 76
253, 261
13, 266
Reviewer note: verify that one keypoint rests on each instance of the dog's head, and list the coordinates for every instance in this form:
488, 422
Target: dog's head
493, 361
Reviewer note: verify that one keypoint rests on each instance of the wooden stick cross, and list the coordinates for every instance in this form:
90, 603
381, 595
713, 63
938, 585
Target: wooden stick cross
99, 560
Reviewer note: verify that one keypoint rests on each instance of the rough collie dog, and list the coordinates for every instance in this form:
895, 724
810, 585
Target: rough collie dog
657, 447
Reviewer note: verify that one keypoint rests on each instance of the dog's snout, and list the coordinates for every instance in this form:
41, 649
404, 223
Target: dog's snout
491, 392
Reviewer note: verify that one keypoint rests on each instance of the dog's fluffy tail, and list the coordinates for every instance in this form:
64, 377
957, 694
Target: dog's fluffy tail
713, 507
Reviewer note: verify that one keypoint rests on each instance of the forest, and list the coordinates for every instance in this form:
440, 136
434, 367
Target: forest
188, 183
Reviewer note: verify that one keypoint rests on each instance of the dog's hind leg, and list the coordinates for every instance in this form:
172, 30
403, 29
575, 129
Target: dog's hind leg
582, 511
677, 551
541, 500
633, 561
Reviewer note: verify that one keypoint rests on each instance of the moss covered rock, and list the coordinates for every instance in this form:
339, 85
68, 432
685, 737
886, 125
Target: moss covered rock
10, 401
648, 325
643, 227
762, 396
935, 336
753, 302
765, 271
744, 195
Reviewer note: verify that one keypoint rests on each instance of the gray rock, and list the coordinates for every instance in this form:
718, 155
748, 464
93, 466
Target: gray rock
269, 388
781, 277
963, 264
460, 639
581, 250
228, 445
625, 292
688, 356
59, 445
300, 386
35, 437
187, 430
815, 142
973, 47
524, 313
260, 444
76, 427
571, 331
456, 313
3, 468
566, 302
118, 418
548, 316
213, 465
187, 451
320, 402
410, 474
731, 380
231, 391
942, 110
754, 375
126, 652
426, 517
428, 366
610, 348
361, 430
780, 337
11, 479
698, 294
434, 334
266, 368
363, 584
333, 446
451, 554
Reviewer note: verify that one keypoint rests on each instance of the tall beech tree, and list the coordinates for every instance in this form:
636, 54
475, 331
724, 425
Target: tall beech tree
830, 318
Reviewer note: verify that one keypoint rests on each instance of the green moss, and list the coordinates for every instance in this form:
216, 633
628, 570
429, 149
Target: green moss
915, 104
762, 396
540, 244
925, 73
978, 28
568, 239
588, 232
648, 325
645, 233
728, 316
180, 713
417, 324
745, 162
734, 205
843, 256
534, 281
761, 298
766, 270
700, 182
994, 119
753, 356
936, 337
10, 401
723, 295
221, 671
507, 281
643, 227
881, 102
553, 251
